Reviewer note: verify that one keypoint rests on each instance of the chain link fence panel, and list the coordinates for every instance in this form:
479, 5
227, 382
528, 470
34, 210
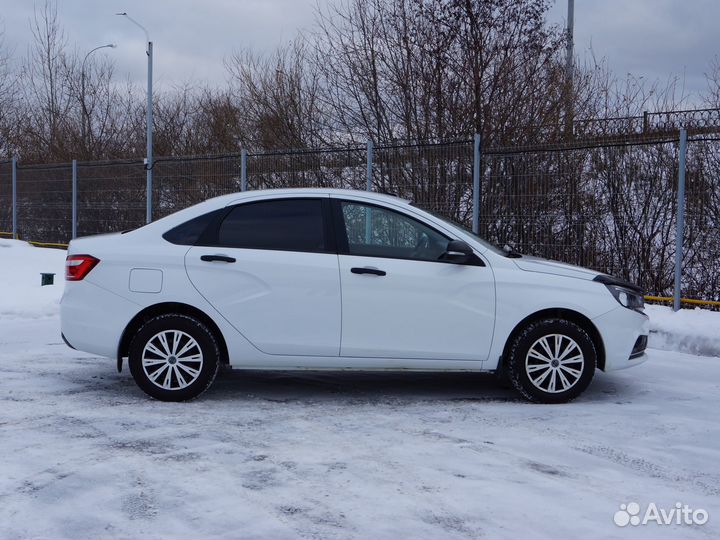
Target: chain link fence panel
437, 177
111, 196
44, 202
182, 182
701, 241
610, 208
334, 167
5, 198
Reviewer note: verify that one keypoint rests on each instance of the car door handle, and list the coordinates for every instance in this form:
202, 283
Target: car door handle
221, 258
373, 271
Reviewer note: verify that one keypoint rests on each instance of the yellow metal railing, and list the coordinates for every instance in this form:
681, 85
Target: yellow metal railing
41, 244
683, 300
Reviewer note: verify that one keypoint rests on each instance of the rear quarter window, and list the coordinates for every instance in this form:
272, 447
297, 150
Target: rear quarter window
188, 233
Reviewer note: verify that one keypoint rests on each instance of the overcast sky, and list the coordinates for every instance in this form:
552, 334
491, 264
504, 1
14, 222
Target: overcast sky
649, 38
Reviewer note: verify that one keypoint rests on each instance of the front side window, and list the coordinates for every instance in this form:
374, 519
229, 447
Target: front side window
373, 231
284, 225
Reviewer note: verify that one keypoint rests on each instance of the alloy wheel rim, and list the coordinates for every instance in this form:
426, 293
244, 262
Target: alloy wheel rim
172, 360
554, 363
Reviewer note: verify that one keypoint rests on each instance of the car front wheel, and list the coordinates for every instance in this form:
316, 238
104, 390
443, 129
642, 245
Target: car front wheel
552, 361
174, 357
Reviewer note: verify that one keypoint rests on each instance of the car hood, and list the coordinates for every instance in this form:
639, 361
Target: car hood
545, 266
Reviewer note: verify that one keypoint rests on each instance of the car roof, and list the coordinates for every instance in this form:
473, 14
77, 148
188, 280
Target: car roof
214, 203
312, 192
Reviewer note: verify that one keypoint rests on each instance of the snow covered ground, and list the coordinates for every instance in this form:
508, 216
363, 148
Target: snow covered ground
85, 454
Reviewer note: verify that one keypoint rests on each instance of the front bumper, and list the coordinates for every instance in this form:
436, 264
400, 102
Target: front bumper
622, 330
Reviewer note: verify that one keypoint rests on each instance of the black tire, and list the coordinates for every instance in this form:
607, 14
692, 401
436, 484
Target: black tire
564, 379
188, 376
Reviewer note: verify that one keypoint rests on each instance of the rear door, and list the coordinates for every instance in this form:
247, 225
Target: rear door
399, 300
270, 268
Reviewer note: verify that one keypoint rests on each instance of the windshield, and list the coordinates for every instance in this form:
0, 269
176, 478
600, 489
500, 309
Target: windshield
464, 229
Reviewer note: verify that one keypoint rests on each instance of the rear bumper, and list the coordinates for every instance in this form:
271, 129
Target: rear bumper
92, 319
621, 330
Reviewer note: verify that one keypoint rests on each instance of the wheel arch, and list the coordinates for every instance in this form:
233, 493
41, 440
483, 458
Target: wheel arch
165, 308
562, 313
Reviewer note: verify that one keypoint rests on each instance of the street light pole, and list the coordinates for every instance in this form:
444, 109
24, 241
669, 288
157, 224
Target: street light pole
570, 45
570, 68
82, 92
148, 120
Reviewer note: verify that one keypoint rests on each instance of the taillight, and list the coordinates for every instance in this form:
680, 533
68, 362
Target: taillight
79, 266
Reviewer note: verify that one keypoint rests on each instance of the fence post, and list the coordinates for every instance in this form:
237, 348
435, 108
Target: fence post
368, 187
369, 166
243, 170
680, 231
476, 185
14, 198
74, 199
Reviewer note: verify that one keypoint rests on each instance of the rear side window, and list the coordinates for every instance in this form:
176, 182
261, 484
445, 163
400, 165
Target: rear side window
189, 232
284, 225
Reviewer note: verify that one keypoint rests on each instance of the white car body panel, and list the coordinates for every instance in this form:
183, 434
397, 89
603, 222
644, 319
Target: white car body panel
536, 264
283, 302
461, 320
396, 316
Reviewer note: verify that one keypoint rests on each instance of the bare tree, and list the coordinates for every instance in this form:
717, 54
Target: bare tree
712, 77
98, 129
8, 96
278, 97
425, 69
45, 87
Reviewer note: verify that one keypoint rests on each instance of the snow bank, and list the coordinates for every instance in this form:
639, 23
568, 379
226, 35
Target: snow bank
21, 295
693, 331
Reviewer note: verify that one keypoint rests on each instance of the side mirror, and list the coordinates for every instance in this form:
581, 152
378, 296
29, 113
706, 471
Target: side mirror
457, 251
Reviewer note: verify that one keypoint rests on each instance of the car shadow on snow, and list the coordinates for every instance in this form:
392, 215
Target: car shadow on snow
352, 386
395, 387
370, 386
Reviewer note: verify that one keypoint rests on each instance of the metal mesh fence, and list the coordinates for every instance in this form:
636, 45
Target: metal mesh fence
5, 197
610, 208
701, 242
437, 177
111, 196
335, 167
44, 202
182, 182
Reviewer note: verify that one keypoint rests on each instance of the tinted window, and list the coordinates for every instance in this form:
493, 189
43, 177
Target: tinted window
378, 232
189, 232
289, 225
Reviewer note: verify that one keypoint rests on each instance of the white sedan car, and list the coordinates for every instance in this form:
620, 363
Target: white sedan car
326, 279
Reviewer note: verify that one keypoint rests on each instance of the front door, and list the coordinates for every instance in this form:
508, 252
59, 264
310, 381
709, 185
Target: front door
398, 300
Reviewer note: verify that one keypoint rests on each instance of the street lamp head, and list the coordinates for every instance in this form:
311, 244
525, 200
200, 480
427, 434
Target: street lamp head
129, 18
109, 45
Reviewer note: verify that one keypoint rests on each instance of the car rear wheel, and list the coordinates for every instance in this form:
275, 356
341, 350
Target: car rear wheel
552, 361
174, 357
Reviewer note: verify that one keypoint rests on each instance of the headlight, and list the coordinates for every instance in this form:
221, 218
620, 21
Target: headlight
627, 297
